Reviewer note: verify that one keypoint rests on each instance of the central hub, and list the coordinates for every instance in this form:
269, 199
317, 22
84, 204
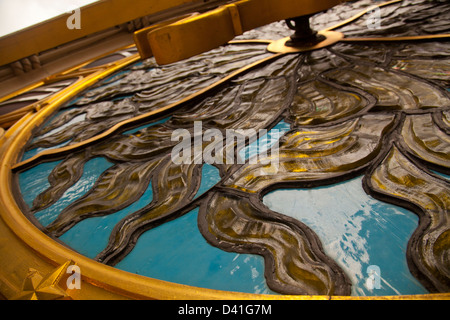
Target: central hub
304, 35
304, 38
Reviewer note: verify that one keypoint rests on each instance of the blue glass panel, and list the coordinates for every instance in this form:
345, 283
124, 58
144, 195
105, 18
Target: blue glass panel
35, 181
357, 231
90, 236
135, 130
177, 252
31, 153
92, 170
442, 175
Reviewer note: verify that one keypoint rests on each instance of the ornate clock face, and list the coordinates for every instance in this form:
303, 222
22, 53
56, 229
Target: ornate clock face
334, 180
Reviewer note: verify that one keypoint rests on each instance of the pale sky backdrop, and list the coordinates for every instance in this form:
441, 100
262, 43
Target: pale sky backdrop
19, 14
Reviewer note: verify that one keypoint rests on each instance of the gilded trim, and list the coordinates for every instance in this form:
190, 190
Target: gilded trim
38, 251
99, 281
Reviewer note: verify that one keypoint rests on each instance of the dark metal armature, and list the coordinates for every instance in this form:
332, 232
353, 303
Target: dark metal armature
303, 35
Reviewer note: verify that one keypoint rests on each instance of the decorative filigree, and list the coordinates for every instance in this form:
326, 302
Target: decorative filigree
356, 108
399, 180
295, 262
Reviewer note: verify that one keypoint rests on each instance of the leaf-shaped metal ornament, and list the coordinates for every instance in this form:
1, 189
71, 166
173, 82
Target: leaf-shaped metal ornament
360, 107
294, 259
399, 181
309, 156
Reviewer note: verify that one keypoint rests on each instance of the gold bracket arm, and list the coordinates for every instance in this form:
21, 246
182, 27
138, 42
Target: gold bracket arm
203, 32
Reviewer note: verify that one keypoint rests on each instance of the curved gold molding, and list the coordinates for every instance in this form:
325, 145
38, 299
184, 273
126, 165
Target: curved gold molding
42, 253
24, 246
99, 281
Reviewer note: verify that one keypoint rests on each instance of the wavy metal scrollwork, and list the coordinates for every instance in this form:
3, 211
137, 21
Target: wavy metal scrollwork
294, 259
396, 179
354, 109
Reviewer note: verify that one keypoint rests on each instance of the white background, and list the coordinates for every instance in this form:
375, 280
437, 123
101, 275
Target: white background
19, 14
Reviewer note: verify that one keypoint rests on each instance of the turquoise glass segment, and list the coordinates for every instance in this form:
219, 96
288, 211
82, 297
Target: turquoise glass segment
177, 252
359, 232
442, 175
210, 177
90, 236
38, 177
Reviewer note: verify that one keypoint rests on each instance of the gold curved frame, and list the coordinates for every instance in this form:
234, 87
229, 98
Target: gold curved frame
24, 247
76, 72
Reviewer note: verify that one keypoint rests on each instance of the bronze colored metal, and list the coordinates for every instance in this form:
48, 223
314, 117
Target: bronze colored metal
192, 36
360, 14
55, 153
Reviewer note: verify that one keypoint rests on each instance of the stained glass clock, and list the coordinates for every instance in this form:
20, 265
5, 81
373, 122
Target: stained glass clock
358, 129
